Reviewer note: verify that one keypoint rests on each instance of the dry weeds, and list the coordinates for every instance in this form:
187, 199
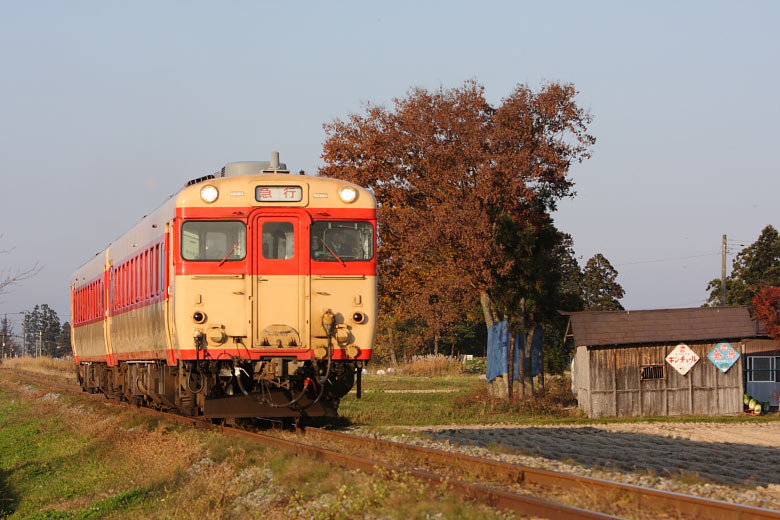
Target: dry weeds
63, 368
432, 365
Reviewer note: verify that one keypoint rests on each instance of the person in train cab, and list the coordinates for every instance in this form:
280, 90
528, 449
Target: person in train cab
338, 244
342, 243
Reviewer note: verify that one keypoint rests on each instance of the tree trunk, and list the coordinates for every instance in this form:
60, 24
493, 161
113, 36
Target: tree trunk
529, 338
489, 310
541, 372
510, 372
523, 348
436, 344
540, 378
393, 359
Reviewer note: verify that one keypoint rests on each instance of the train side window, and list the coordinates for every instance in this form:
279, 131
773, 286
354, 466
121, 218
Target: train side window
278, 240
156, 269
162, 269
139, 279
135, 280
129, 282
132, 279
149, 275
213, 241
144, 275
125, 284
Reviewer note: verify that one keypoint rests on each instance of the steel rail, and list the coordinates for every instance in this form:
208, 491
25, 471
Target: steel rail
643, 499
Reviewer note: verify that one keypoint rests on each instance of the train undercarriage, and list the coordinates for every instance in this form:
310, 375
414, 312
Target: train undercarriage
226, 389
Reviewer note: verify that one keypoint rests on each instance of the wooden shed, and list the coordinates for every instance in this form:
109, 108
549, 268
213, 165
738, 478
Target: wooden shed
620, 367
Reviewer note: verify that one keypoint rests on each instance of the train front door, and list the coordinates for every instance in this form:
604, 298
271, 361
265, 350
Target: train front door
280, 272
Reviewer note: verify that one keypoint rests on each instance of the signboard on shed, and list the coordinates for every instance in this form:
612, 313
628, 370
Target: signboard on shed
723, 355
682, 358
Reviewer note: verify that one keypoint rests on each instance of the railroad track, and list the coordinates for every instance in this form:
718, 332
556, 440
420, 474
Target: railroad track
524, 490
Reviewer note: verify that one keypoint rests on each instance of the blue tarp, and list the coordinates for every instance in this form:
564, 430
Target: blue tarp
498, 346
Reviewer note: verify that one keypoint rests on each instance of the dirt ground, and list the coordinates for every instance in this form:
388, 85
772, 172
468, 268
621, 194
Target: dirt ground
723, 453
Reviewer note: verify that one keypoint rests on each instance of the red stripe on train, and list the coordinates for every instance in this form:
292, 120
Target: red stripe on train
216, 353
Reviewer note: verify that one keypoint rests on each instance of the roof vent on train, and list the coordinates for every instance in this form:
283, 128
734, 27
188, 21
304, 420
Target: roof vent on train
254, 167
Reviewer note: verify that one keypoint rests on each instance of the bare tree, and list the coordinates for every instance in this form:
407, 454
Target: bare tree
10, 277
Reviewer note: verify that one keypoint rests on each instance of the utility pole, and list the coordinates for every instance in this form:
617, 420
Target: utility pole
40, 342
24, 335
5, 323
723, 273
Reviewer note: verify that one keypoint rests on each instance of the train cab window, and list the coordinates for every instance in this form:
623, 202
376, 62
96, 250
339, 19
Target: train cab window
213, 241
278, 240
349, 241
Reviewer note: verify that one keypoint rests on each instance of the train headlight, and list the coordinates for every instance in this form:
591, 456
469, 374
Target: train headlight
348, 194
209, 193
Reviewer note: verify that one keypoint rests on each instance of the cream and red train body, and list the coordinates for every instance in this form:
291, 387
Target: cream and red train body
258, 303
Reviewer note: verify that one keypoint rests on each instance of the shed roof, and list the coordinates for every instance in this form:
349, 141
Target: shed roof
655, 326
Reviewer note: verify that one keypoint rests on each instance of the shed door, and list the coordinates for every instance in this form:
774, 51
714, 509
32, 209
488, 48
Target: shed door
280, 263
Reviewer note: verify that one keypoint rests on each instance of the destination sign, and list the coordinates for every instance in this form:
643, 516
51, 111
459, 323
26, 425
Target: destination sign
278, 193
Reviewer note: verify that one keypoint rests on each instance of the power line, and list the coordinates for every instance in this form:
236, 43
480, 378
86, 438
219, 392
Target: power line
667, 259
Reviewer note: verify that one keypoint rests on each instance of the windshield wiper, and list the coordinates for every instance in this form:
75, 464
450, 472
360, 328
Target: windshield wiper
229, 253
334, 254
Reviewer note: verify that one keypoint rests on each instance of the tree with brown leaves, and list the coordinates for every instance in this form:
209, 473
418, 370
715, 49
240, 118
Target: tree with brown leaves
451, 173
766, 303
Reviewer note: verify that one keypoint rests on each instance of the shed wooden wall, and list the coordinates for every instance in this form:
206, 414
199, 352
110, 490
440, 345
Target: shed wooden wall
608, 382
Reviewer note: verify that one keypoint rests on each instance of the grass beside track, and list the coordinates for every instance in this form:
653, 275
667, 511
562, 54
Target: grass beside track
415, 401
71, 457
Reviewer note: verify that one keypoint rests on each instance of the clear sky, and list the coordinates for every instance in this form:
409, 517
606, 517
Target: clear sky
108, 107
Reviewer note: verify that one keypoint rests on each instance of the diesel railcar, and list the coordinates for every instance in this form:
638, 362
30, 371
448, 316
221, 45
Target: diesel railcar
249, 293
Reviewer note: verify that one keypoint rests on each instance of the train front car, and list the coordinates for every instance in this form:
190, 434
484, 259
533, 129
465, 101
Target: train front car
275, 291
251, 293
